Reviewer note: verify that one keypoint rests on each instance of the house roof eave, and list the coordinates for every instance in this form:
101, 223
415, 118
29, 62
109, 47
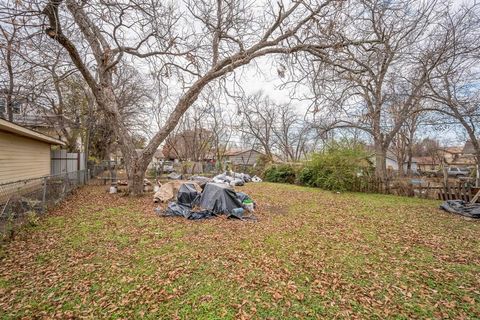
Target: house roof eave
22, 131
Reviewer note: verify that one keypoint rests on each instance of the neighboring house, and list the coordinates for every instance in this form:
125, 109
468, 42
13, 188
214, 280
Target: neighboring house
427, 164
451, 154
468, 148
392, 164
467, 158
463, 161
24, 153
413, 165
242, 157
462, 157
390, 161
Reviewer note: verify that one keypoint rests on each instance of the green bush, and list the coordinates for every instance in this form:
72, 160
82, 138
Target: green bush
337, 168
280, 173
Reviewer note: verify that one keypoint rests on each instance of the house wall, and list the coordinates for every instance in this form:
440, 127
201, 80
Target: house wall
391, 164
248, 158
22, 158
414, 167
428, 167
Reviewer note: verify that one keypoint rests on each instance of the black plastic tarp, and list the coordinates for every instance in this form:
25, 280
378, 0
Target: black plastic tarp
219, 198
187, 195
471, 210
201, 181
215, 199
175, 209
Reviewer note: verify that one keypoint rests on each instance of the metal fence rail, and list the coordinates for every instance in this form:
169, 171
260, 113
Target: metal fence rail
25, 200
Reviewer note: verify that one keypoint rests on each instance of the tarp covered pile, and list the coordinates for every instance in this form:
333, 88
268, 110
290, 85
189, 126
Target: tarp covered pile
470, 210
169, 190
214, 200
235, 178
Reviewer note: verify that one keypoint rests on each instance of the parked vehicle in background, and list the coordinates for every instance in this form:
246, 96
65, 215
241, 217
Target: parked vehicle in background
458, 172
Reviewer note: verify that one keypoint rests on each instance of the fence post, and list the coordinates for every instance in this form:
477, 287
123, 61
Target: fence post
44, 194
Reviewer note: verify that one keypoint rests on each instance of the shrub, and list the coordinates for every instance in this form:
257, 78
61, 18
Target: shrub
280, 173
32, 218
337, 168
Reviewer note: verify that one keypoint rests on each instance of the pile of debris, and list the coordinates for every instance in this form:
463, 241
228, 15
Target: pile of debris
169, 190
213, 200
235, 179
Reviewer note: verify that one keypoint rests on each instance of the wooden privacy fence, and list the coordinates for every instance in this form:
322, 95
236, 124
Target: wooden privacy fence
457, 192
417, 187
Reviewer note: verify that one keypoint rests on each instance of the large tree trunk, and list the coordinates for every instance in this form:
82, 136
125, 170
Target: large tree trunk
380, 163
409, 158
136, 174
477, 168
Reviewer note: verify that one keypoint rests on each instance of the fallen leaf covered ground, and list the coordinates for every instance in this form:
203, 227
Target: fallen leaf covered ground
312, 254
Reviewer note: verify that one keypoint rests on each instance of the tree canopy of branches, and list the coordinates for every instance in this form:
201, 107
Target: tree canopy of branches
453, 85
274, 127
193, 44
376, 87
114, 70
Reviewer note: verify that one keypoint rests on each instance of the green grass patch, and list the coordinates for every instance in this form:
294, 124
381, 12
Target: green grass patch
312, 254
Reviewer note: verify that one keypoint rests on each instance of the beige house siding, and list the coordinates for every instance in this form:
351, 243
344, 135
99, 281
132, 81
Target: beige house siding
22, 158
244, 158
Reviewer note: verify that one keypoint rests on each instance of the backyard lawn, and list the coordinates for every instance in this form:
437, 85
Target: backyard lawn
312, 254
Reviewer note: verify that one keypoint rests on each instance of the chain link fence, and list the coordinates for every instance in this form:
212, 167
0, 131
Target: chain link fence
24, 201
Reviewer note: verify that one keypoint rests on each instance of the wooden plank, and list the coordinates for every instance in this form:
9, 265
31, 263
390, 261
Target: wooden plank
475, 198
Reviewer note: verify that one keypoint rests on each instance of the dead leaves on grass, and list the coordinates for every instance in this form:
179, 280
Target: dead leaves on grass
311, 254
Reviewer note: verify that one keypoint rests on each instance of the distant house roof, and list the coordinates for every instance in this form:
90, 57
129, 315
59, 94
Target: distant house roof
426, 160
454, 150
234, 152
468, 148
22, 131
465, 160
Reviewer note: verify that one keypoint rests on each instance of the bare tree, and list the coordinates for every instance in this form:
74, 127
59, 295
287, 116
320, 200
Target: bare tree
292, 132
191, 140
376, 87
403, 142
220, 120
232, 35
16, 76
258, 116
453, 85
